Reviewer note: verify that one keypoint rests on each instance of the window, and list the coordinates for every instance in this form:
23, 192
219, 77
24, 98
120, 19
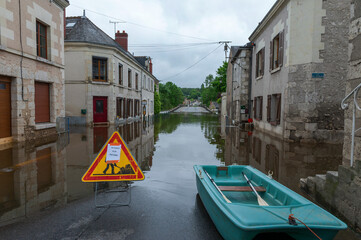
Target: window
148, 84
120, 68
276, 51
41, 40
129, 78
274, 109
144, 79
120, 107
136, 81
257, 107
42, 102
100, 69
152, 86
260, 63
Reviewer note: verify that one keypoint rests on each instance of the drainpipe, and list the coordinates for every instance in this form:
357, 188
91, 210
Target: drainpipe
22, 56
250, 85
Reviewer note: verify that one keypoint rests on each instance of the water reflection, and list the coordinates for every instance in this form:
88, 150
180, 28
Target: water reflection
85, 143
288, 162
32, 177
47, 173
39, 175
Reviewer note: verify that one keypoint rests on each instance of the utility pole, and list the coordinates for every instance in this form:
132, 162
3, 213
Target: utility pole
115, 25
225, 48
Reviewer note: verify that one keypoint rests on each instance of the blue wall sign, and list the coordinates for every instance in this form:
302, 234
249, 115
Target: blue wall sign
318, 75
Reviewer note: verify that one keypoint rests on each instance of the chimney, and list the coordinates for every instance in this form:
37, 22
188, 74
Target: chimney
122, 39
150, 66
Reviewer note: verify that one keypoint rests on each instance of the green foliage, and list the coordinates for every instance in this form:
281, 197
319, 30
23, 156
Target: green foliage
157, 103
213, 87
170, 95
191, 93
220, 81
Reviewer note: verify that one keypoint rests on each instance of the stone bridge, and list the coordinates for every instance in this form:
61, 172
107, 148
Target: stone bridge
199, 109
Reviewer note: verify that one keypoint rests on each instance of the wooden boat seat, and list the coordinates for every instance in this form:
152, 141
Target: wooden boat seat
241, 188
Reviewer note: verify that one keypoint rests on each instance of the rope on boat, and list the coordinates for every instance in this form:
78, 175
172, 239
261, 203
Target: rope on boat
292, 221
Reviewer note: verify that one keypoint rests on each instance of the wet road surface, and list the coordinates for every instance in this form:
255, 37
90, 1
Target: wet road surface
42, 196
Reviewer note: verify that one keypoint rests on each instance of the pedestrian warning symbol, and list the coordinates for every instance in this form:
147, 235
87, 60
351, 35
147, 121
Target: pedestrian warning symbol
114, 163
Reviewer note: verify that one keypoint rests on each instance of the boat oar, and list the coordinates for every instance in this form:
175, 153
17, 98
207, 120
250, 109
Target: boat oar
261, 202
219, 190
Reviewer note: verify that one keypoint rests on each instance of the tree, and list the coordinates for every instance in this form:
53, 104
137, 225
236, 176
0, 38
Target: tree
220, 81
157, 103
170, 95
213, 87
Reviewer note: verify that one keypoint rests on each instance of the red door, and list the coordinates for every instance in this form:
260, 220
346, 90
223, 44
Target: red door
100, 109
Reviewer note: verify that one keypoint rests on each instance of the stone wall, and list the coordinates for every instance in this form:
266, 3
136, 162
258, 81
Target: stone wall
339, 192
354, 79
314, 112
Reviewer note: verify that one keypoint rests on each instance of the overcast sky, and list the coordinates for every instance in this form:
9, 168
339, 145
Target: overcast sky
177, 34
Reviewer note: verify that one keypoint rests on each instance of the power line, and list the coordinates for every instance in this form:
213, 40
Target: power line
168, 49
192, 64
139, 25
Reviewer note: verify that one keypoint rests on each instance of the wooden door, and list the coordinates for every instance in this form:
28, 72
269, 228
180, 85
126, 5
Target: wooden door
5, 107
42, 102
100, 109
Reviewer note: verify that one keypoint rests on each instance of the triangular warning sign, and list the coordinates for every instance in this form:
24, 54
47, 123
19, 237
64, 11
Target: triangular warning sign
114, 163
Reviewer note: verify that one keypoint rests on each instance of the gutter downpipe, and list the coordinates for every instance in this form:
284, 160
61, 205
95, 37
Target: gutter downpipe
250, 85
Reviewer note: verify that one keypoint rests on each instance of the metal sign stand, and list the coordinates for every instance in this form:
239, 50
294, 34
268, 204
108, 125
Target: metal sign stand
127, 189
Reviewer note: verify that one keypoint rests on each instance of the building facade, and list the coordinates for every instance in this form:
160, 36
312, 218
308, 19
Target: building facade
299, 67
104, 83
238, 84
32, 68
353, 80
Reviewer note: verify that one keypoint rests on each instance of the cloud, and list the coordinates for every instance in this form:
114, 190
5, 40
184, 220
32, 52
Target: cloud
167, 22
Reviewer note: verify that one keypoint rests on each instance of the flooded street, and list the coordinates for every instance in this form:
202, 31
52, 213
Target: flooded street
42, 195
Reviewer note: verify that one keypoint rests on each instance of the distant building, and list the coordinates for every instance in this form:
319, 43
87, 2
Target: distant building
299, 68
238, 84
31, 68
104, 82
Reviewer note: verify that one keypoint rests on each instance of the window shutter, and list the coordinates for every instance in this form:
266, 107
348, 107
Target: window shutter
262, 61
278, 116
268, 108
255, 108
271, 56
261, 108
281, 44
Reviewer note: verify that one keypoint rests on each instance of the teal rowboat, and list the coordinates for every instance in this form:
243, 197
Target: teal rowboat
244, 218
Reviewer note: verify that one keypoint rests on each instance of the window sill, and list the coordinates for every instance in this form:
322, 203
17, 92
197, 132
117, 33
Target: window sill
259, 78
100, 82
274, 123
275, 70
39, 126
45, 60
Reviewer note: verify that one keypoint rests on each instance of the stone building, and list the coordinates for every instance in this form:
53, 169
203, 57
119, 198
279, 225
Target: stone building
31, 68
238, 84
104, 83
341, 190
299, 68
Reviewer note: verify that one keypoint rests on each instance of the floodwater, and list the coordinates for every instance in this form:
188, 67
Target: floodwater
45, 175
